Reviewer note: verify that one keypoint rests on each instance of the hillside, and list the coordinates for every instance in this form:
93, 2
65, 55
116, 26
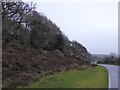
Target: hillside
98, 57
33, 46
111, 58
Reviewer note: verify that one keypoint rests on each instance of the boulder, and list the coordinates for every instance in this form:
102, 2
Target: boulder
59, 53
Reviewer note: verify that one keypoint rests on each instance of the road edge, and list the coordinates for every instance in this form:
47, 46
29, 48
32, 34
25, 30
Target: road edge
109, 80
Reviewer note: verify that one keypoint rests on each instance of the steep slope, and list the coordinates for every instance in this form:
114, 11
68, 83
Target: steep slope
33, 46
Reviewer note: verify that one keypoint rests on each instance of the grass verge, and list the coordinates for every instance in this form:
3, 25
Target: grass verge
87, 78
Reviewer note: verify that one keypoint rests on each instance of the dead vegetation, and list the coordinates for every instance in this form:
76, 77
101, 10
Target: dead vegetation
22, 66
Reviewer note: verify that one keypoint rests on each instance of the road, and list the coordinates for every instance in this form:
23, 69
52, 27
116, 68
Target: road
113, 75
0, 71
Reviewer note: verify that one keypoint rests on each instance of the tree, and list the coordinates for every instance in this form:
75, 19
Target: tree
14, 17
59, 43
17, 11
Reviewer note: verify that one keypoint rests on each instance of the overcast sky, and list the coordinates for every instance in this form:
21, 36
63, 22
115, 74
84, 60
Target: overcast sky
92, 23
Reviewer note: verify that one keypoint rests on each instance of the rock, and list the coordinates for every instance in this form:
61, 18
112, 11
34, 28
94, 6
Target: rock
59, 53
71, 54
44, 52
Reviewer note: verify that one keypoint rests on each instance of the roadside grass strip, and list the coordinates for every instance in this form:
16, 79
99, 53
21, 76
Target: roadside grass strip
96, 77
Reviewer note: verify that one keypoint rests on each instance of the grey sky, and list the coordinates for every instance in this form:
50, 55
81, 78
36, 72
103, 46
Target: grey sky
93, 24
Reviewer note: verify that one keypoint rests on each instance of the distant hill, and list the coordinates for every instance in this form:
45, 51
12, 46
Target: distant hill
96, 57
100, 55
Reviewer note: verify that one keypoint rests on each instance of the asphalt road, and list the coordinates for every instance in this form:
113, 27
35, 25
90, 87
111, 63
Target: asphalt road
0, 73
113, 71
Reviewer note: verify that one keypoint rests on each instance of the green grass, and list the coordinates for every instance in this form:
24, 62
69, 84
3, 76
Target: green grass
88, 78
